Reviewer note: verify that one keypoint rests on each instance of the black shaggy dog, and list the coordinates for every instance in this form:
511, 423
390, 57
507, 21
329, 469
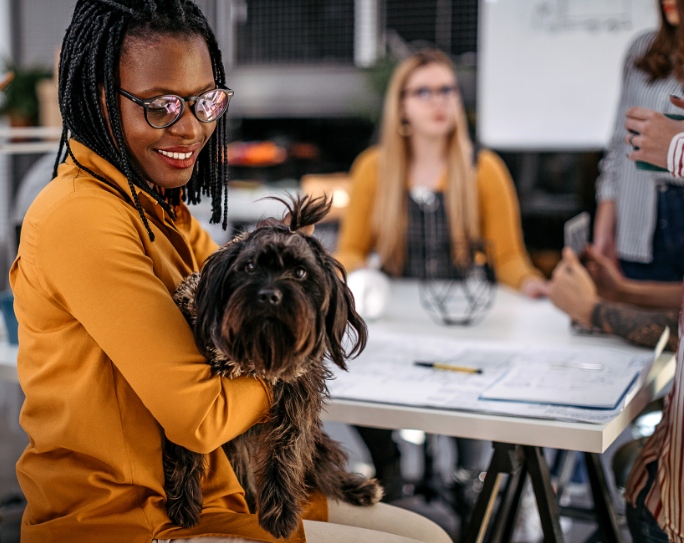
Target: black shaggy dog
273, 304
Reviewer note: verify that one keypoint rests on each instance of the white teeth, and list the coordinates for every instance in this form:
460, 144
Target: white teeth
178, 156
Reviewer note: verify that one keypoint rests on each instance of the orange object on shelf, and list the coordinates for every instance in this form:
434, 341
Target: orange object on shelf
335, 185
255, 153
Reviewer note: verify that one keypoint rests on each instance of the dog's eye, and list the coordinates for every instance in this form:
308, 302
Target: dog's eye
249, 267
300, 273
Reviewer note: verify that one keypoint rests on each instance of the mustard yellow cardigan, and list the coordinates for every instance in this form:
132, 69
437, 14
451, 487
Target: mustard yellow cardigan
498, 210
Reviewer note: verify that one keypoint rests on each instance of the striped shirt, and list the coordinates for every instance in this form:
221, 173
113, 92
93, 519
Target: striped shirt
665, 500
675, 156
635, 191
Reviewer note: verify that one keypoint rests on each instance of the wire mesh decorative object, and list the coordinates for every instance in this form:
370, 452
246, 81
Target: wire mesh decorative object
465, 300
458, 281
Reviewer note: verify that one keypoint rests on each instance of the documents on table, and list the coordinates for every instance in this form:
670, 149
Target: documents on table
594, 379
577, 384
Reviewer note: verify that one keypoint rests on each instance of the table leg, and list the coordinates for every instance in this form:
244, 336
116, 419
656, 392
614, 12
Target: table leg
544, 494
603, 504
504, 523
517, 461
507, 458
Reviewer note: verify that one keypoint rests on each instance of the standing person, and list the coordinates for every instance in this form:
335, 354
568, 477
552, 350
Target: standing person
107, 362
423, 176
637, 216
654, 493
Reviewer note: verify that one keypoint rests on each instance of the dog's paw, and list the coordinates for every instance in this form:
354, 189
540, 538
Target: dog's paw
358, 490
280, 520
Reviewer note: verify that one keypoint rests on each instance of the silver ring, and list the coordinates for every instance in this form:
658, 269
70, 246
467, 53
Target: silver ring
630, 139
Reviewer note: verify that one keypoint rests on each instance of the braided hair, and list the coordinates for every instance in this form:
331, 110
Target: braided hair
89, 61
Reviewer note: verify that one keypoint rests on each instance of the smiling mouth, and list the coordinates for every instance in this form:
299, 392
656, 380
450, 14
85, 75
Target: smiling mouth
177, 156
178, 160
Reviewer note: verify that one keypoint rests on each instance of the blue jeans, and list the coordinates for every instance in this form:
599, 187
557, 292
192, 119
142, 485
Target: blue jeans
642, 525
668, 241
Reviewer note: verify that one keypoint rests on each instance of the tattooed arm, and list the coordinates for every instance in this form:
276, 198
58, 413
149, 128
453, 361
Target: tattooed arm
639, 326
573, 291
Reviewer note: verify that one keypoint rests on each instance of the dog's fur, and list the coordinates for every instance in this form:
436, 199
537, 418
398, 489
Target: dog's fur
273, 304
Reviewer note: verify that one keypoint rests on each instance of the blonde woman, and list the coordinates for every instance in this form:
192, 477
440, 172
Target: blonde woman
423, 182
424, 165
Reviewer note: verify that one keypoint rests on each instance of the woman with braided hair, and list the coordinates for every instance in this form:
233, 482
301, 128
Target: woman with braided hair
107, 362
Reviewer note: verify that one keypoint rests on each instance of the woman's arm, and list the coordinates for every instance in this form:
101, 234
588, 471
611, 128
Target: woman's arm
607, 181
90, 259
500, 222
355, 239
604, 229
639, 326
614, 286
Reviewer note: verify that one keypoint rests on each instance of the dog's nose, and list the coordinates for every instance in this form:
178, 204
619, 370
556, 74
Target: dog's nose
270, 296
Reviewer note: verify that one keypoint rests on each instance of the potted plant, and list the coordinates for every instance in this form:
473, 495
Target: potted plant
19, 100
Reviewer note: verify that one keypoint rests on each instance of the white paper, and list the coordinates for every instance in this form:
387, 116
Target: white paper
595, 379
385, 373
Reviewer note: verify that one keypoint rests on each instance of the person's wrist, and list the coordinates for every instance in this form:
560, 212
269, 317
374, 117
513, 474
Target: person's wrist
627, 291
585, 311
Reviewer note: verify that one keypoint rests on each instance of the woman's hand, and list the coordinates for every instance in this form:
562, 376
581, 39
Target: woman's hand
610, 283
655, 133
571, 289
535, 287
604, 230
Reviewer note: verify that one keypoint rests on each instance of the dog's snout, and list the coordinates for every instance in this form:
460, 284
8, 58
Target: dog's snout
270, 296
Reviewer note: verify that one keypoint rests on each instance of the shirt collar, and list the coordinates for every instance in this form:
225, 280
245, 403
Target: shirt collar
119, 183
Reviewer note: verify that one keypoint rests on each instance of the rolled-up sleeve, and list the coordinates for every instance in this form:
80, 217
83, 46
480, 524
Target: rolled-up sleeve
92, 262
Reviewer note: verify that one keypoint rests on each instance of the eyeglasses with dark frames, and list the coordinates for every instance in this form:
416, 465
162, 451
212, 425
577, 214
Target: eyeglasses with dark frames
164, 110
427, 93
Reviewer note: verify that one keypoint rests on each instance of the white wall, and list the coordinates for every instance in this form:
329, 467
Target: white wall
549, 71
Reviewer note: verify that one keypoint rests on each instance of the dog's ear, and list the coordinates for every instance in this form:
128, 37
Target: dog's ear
342, 313
212, 293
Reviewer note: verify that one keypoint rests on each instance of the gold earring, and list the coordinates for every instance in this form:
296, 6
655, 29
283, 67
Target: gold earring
405, 129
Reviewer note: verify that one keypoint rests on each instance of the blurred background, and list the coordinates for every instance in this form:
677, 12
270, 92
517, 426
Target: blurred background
309, 77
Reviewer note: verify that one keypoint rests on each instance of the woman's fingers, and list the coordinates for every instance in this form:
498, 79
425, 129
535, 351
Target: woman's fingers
677, 101
638, 113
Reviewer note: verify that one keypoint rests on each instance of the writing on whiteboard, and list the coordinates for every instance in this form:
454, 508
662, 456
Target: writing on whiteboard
587, 15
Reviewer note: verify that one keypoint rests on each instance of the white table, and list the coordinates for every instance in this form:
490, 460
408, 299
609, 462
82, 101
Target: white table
512, 318
518, 440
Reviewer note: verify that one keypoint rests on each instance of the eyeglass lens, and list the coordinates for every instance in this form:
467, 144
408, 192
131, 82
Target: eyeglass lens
426, 93
164, 110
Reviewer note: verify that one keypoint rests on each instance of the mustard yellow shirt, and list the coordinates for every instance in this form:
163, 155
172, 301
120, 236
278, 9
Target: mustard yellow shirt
108, 365
498, 210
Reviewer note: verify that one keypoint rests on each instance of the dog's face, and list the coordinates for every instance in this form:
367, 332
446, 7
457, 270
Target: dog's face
274, 302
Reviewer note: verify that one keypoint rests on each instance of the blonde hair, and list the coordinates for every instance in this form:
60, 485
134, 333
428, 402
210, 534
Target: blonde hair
390, 212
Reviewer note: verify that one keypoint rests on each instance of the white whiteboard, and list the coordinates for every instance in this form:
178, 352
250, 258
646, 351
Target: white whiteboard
550, 71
